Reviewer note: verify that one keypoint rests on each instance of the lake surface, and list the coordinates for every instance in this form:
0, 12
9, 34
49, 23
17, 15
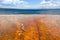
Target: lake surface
29, 11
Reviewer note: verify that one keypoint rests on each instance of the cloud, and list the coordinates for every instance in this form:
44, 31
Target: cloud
24, 4
50, 4
14, 4
7, 1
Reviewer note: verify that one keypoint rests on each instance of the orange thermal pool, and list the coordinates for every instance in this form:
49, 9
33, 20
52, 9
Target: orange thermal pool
30, 27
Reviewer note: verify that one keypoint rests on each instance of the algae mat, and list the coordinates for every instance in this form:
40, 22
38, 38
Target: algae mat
29, 27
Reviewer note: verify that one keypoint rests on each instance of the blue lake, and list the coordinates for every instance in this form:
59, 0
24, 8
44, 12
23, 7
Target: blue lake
29, 11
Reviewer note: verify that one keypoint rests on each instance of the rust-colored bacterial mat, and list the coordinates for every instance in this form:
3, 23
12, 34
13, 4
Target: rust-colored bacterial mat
29, 27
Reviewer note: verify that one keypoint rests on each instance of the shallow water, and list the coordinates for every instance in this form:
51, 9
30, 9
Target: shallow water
29, 27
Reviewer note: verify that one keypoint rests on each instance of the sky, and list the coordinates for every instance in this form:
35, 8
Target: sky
29, 4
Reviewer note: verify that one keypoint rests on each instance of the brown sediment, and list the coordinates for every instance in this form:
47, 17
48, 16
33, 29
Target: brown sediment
30, 27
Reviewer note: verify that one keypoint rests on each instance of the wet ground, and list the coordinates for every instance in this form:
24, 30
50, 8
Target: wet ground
29, 27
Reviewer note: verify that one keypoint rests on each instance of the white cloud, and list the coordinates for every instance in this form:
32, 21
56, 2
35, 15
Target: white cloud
7, 1
49, 4
14, 3
25, 4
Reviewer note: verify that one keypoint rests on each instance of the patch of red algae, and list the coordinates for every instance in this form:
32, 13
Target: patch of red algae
39, 28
